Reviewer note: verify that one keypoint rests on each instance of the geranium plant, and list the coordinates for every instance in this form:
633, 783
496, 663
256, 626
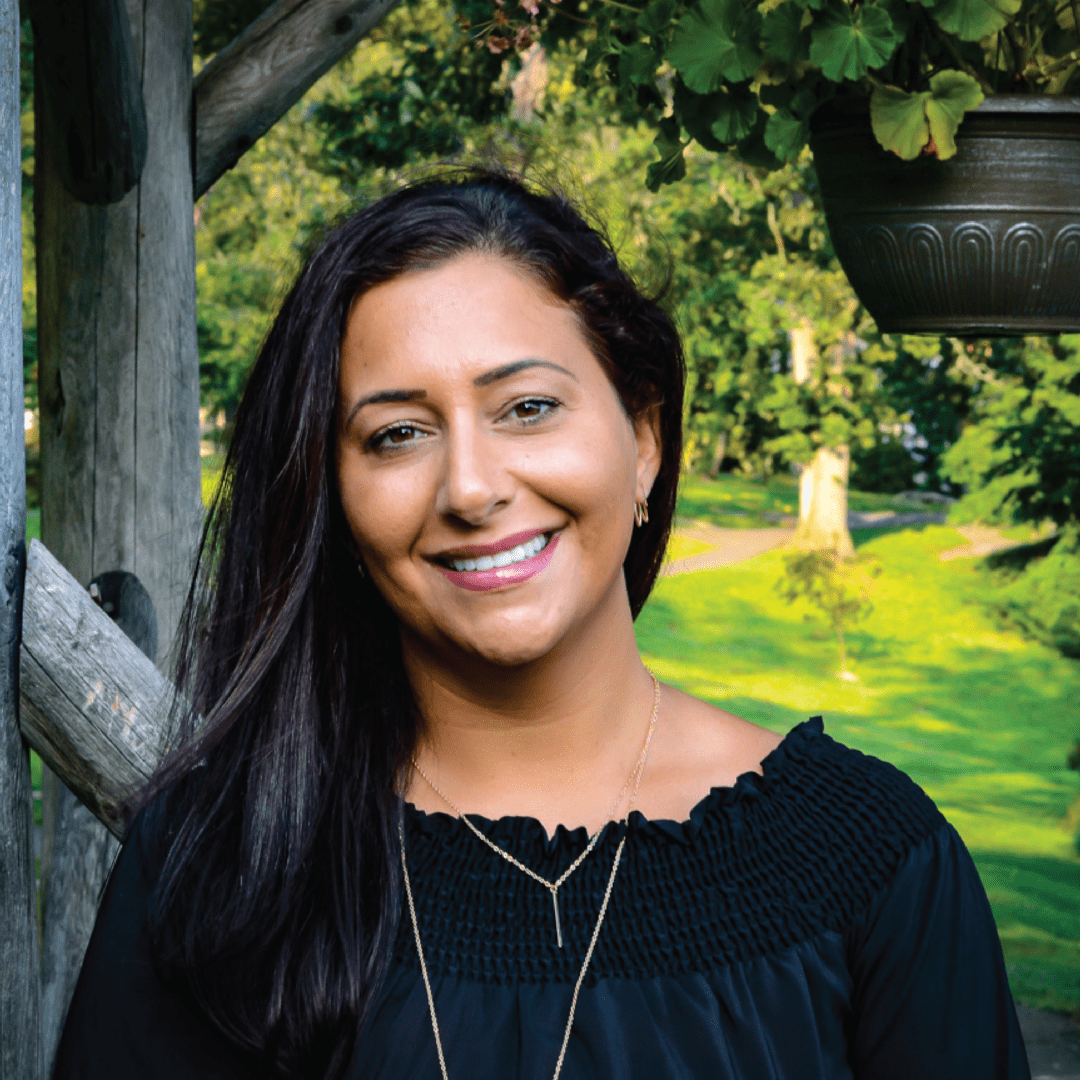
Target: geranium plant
748, 75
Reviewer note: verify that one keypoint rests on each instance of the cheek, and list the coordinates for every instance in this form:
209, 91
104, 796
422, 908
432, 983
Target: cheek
593, 476
383, 512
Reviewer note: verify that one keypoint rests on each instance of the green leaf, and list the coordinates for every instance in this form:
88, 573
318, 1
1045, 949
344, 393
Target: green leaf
655, 20
952, 93
716, 43
804, 103
637, 65
786, 134
696, 113
735, 117
908, 124
845, 44
782, 36
899, 120
669, 145
972, 20
753, 150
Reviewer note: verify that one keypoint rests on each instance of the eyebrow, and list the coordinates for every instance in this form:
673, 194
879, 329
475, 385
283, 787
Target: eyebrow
382, 396
486, 379
514, 367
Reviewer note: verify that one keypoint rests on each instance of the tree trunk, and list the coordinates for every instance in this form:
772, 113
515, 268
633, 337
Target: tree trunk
719, 451
20, 1018
823, 482
118, 387
823, 503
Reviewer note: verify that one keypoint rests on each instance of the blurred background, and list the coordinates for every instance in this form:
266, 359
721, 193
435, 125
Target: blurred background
949, 645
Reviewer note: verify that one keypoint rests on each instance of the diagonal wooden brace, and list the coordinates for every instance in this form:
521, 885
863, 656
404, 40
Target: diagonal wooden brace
91, 704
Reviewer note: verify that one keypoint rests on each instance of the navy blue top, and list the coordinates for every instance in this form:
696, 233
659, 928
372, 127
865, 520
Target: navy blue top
819, 922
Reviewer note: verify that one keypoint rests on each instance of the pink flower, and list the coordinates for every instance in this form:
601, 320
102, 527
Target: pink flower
498, 44
524, 37
531, 6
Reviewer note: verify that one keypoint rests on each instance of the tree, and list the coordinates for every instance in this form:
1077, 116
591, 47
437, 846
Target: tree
837, 584
1018, 461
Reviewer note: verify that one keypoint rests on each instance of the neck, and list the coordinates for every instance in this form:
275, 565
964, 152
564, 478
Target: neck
553, 739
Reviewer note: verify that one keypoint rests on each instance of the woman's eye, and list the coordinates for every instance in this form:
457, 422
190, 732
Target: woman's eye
391, 437
533, 409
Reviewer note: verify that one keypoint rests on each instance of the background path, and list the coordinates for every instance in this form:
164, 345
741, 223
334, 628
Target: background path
1053, 1044
733, 545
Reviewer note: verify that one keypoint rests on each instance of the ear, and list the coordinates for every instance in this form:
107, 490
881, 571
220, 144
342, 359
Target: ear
647, 435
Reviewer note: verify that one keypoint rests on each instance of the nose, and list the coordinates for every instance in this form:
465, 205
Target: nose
475, 480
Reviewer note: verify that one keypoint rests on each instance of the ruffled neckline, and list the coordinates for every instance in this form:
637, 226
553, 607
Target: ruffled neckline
525, 830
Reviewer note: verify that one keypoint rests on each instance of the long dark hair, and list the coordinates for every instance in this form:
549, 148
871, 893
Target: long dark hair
272, 824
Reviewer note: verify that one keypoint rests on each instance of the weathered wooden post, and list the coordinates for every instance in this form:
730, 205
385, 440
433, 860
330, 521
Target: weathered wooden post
20, 1023
119, 394
118, 366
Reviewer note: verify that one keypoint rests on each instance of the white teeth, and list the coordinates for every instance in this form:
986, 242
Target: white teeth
503, 558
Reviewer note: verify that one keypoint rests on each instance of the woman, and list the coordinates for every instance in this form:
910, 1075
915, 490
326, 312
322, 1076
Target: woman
440, 821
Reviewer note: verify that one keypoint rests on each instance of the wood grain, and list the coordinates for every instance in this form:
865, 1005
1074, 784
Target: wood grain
253, 81
20, 1016
88, 78
119, 383
92, 705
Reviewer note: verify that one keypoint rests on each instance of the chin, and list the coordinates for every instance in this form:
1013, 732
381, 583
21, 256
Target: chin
508, 642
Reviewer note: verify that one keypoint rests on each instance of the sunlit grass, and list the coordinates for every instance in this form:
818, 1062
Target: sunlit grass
727, 499
682, 547
980, 717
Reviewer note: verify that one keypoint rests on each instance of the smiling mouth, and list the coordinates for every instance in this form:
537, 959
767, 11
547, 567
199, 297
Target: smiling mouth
516, 554
511, 561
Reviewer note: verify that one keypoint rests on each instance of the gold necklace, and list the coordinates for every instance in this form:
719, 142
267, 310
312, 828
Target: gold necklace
577, 985
635, 776
554, 886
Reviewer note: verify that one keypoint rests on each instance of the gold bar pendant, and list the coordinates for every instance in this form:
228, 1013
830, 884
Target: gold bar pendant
558, 923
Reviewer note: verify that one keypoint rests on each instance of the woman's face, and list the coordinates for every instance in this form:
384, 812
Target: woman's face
488, 470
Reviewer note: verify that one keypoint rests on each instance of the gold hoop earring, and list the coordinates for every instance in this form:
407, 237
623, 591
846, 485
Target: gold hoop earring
641, 513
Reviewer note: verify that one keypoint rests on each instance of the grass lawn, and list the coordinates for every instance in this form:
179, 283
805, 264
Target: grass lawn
980, 717
735, 502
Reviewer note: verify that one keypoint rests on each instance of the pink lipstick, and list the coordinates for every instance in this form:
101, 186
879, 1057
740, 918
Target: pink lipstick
510, 561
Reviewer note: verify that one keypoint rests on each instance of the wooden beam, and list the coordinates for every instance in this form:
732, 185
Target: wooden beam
118, 380
92, 705
20, 1014
253, 81
88, 82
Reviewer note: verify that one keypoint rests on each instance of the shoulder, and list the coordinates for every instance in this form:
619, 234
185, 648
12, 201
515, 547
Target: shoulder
838, 822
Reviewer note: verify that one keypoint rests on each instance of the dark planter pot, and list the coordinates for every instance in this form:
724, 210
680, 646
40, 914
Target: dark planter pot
986, 243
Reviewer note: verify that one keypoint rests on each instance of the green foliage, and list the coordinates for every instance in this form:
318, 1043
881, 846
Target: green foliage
847, 42
932, 399
971, 20
425, 82
715, 44
1044, 600
837, 585
909, 124
1019, 459
924, 65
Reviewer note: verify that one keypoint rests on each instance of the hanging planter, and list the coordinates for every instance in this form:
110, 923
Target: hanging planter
984, 243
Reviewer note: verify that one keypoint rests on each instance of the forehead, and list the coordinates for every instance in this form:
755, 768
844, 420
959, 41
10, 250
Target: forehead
463, 316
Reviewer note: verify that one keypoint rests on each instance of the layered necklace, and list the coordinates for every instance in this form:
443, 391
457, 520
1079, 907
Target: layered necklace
633, 784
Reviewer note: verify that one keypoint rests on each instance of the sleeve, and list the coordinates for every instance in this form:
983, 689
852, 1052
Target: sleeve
124, 1023
931, 996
